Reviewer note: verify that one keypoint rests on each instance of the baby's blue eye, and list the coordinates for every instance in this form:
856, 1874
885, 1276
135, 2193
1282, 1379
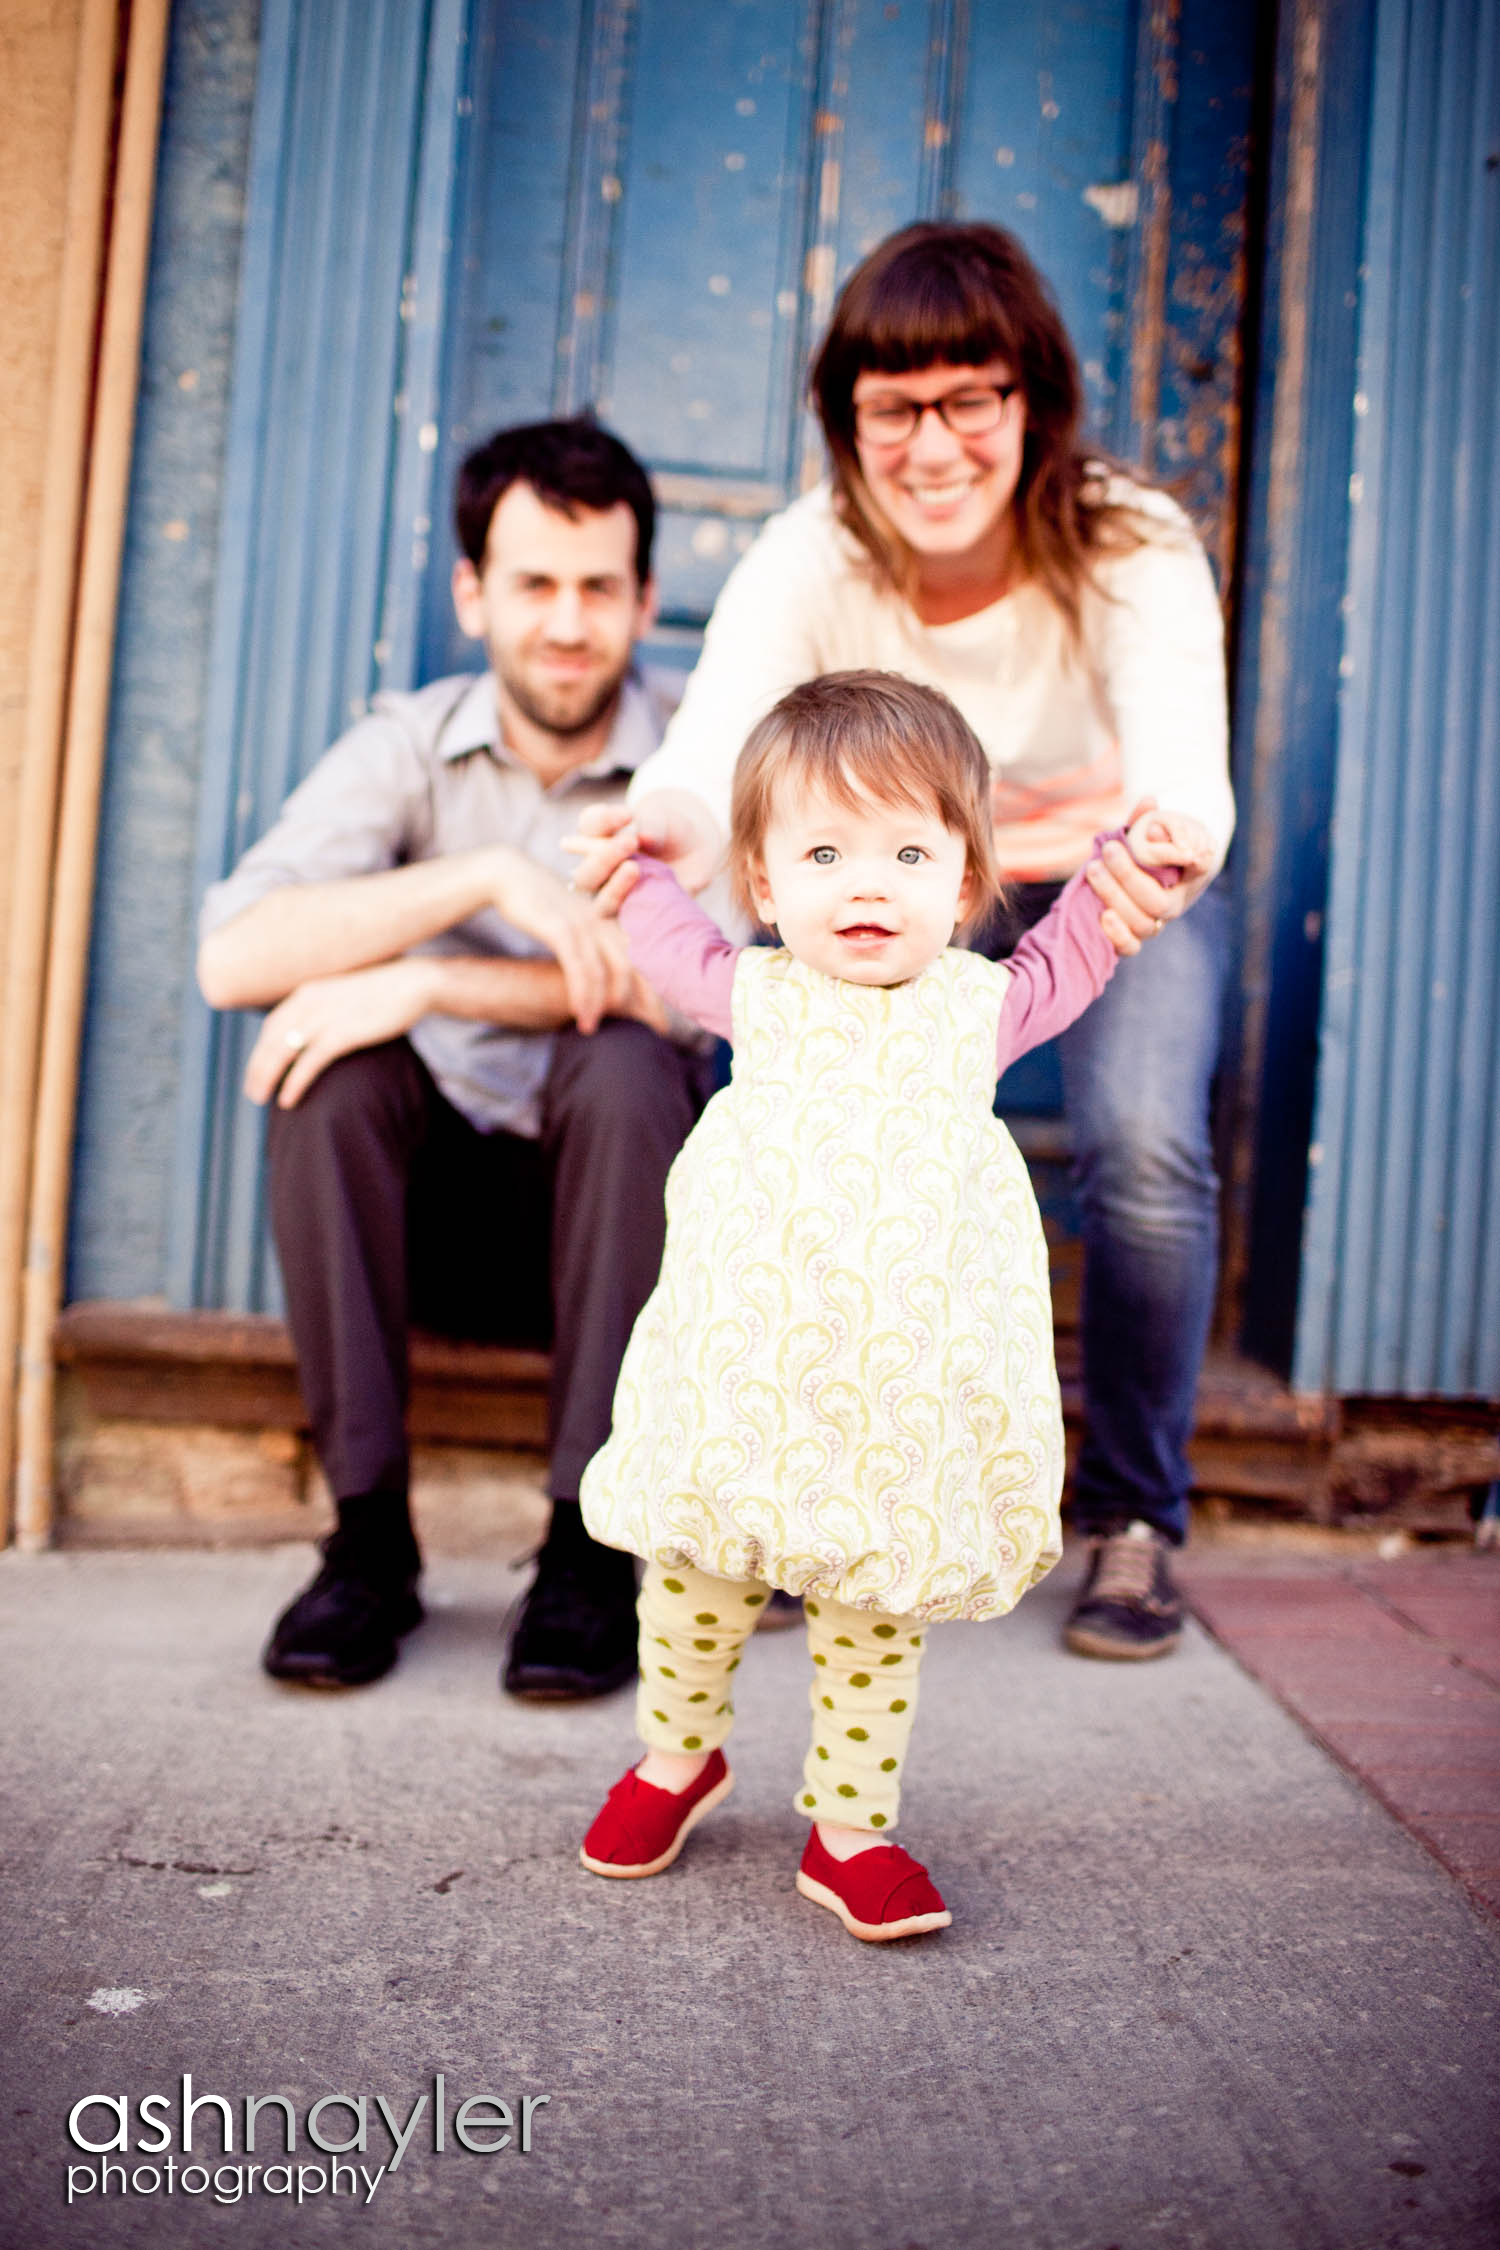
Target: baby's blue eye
911, 855
823, 855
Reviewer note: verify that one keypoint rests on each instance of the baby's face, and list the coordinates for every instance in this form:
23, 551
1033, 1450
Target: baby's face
870, 894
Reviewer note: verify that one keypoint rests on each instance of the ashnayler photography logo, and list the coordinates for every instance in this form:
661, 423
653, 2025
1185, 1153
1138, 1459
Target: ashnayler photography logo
341, 2144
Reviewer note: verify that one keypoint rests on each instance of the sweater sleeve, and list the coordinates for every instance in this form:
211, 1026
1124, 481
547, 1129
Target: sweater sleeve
680, 952
1057, 969
1160, 651
761, 640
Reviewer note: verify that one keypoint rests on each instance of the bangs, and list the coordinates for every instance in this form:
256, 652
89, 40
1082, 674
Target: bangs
922, 311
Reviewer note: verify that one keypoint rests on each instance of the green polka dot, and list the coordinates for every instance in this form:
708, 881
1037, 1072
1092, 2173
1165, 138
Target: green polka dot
916, 1640
857, 1734
708, 1645
700, 1697
888, 1765
828, 1702
893, 1658
812, 1609
859, 1679
674, 1586
809, 1800
692, 1742
660, 1715
884, 1632
877, 1820
753, 1601
847, 1789
843, 1641
662, 1641
667, 1672
820, 1660
723, 1707
705, 1617
822, 1753
734, 1664
899, 1704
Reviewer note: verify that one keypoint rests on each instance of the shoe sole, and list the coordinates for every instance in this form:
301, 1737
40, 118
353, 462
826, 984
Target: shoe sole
1084, 1643
542, 1686
872, 1933
314, 1674
715, 1796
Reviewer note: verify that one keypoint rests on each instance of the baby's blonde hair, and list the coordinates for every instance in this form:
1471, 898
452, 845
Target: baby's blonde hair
858, 735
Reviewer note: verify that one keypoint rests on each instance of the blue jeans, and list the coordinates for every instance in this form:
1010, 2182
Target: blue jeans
1137, 1069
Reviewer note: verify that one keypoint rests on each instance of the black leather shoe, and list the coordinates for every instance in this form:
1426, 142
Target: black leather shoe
576, 1633
342, 1630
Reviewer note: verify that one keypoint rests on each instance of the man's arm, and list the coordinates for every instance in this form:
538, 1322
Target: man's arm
303, 932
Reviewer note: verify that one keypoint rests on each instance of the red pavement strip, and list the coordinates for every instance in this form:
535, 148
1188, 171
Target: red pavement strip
1395, 1668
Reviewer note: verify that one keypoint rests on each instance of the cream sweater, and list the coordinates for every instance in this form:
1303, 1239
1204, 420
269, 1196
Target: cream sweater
1074, 739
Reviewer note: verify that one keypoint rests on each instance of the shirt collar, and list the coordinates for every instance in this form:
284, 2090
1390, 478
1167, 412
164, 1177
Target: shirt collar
475, 725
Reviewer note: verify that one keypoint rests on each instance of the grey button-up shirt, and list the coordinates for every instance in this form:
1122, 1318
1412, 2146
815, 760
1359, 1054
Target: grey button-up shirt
424, 776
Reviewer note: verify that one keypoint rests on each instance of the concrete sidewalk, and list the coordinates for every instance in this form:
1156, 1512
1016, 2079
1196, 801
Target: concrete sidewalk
1201, 1990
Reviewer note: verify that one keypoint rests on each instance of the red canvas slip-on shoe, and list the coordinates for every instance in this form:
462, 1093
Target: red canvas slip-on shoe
641, 1829
880, 1893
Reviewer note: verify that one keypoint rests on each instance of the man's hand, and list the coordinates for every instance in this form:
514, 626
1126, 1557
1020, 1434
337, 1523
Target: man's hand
333, 1016
1135, 905
577, 931
671, 824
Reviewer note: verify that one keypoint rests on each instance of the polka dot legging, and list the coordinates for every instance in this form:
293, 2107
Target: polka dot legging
864, 1690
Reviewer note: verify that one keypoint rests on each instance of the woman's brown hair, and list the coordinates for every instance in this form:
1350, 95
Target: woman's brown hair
854, 735
963, 296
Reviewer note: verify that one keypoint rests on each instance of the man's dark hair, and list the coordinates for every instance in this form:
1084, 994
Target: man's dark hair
570, 465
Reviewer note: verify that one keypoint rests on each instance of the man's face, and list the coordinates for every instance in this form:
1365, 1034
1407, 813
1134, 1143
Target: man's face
558, 608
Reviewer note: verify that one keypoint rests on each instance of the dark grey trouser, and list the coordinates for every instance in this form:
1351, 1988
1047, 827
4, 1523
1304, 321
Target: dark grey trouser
387, 1207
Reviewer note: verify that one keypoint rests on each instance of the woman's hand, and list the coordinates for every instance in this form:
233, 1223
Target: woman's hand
1135, 905
671, 824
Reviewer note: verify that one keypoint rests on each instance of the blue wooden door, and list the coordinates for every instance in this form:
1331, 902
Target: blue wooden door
657, 201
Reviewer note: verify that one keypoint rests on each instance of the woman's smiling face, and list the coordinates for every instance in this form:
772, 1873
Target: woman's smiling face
942, 494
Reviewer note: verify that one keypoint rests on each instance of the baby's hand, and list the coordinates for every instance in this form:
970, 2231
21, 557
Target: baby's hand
1171, 841
605, 866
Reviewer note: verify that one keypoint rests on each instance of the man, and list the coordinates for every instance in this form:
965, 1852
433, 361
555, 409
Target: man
474, 1105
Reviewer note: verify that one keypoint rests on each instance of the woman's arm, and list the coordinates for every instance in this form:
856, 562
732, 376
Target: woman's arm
763, 638
1157, 638
680, 953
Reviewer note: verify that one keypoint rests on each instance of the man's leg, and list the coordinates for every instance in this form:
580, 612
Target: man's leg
1137, 1072
340, 1164
617, 1108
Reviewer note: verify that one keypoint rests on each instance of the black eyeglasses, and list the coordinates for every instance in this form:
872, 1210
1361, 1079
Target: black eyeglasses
967, 413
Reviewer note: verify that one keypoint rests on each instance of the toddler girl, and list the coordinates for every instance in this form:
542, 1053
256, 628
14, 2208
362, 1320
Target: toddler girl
843, 1384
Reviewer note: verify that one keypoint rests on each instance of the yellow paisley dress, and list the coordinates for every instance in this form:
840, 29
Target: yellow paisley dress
843, 1383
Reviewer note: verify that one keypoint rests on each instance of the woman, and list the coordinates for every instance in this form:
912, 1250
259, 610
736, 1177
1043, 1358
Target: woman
968, 539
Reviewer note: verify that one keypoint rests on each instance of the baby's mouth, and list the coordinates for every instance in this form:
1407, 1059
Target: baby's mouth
865, 932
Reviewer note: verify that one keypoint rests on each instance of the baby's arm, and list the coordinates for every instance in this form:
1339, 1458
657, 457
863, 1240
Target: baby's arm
680, 952
1070, 956
1056, 970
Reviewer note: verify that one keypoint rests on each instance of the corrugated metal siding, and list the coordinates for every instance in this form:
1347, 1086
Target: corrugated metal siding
342, 281
1401, 1281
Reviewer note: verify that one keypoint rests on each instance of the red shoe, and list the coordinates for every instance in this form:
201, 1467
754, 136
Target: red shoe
641, 1828
880, 1893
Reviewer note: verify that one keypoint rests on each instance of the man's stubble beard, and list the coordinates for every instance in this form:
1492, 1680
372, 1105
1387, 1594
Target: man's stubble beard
553, 714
